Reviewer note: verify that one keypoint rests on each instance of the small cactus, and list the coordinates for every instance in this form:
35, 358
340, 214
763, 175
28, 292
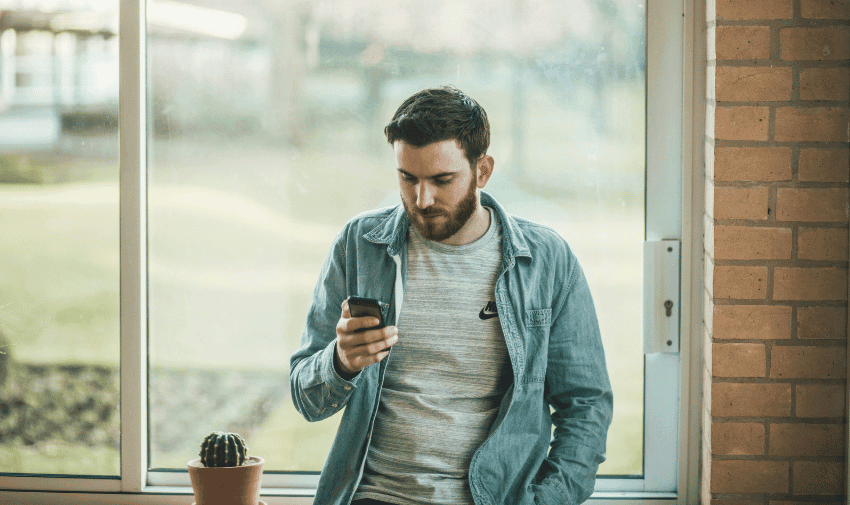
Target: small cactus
223, 449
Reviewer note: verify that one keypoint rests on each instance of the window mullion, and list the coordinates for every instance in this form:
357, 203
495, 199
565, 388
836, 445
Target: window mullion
664, 176
133, 131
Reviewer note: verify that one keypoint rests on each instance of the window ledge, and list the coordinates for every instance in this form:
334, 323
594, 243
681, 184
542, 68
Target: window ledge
272, 496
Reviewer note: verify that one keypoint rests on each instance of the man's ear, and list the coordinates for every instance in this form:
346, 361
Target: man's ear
484, 170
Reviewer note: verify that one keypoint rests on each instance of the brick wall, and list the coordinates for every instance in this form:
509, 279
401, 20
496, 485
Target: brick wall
776, 251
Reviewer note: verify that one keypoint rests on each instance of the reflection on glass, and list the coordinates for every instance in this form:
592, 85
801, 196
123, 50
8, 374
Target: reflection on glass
266, 136
59, 312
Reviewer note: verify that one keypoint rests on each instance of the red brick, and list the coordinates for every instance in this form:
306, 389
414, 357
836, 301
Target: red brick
752, 322
750, 400
818, 478
820, 400
822, 323
815, 284
825, 84
741, 203
751, 243
738, 282
736, 476
739, 360
824, 244
752, 164
737, 439
824, 165
825, 9
754, 9
815, 43
753, 84
742, 42
740, 123
798, 362
807, 440
812, 205
816, 124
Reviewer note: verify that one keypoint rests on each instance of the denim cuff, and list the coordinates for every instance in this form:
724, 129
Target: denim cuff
551, 492
339, 387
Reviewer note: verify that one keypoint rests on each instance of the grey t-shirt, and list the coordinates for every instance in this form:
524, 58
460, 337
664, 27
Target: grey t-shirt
445, 377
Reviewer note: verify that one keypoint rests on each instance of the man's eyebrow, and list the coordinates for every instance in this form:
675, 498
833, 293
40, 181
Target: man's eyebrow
436, 176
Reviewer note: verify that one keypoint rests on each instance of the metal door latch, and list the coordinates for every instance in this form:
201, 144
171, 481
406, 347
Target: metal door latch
661, 263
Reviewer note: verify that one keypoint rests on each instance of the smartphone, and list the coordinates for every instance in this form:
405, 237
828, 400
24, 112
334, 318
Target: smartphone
366, 307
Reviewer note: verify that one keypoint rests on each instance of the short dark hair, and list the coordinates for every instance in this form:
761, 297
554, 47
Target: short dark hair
438, 114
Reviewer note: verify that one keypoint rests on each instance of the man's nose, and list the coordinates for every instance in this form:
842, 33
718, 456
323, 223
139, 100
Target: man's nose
424, 196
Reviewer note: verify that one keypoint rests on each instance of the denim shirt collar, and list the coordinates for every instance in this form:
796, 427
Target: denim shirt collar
393, 231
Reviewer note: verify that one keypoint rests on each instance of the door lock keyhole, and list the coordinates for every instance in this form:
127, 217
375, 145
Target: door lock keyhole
669, 306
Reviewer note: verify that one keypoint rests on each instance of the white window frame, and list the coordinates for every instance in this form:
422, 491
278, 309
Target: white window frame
671, 443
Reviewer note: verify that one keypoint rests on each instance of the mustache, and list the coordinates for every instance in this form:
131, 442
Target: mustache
429, 212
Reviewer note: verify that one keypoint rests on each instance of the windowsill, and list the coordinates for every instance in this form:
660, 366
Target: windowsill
272, 496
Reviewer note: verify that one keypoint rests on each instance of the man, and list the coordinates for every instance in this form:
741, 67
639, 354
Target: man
490, 323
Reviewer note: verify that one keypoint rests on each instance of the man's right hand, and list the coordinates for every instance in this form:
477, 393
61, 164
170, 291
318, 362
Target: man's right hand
356, 351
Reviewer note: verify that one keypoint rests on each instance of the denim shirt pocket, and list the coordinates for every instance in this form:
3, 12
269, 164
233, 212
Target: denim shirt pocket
541, 317
537, 324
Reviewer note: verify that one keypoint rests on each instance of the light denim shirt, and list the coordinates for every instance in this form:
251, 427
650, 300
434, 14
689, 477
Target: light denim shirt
552, 335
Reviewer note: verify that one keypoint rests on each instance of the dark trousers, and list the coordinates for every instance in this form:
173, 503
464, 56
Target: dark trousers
369, 501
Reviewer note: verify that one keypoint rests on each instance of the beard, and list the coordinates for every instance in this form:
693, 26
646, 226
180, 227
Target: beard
450, 220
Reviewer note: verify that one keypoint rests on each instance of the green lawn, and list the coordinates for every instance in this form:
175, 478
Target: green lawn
59, 273
60, 459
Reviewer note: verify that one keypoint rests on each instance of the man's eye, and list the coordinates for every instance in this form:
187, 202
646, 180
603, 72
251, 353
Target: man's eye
442, 182
408, 179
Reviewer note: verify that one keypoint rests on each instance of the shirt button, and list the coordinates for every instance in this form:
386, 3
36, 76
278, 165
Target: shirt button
348, 388
333, 405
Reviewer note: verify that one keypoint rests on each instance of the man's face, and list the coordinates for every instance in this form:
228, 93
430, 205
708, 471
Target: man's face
438, 187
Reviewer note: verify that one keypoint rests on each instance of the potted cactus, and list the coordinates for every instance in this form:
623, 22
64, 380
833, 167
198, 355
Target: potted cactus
225, 474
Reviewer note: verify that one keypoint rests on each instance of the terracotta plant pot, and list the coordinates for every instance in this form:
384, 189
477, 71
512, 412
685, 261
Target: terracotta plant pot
234, 485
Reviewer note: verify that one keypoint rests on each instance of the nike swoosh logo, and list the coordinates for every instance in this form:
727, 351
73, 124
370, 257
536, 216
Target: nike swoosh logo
487, 315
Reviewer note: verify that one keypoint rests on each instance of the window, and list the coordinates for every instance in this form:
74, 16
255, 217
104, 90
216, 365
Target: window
59, 280
261, 136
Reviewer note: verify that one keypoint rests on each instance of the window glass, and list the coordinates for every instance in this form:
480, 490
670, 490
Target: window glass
59, 259
266, 136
